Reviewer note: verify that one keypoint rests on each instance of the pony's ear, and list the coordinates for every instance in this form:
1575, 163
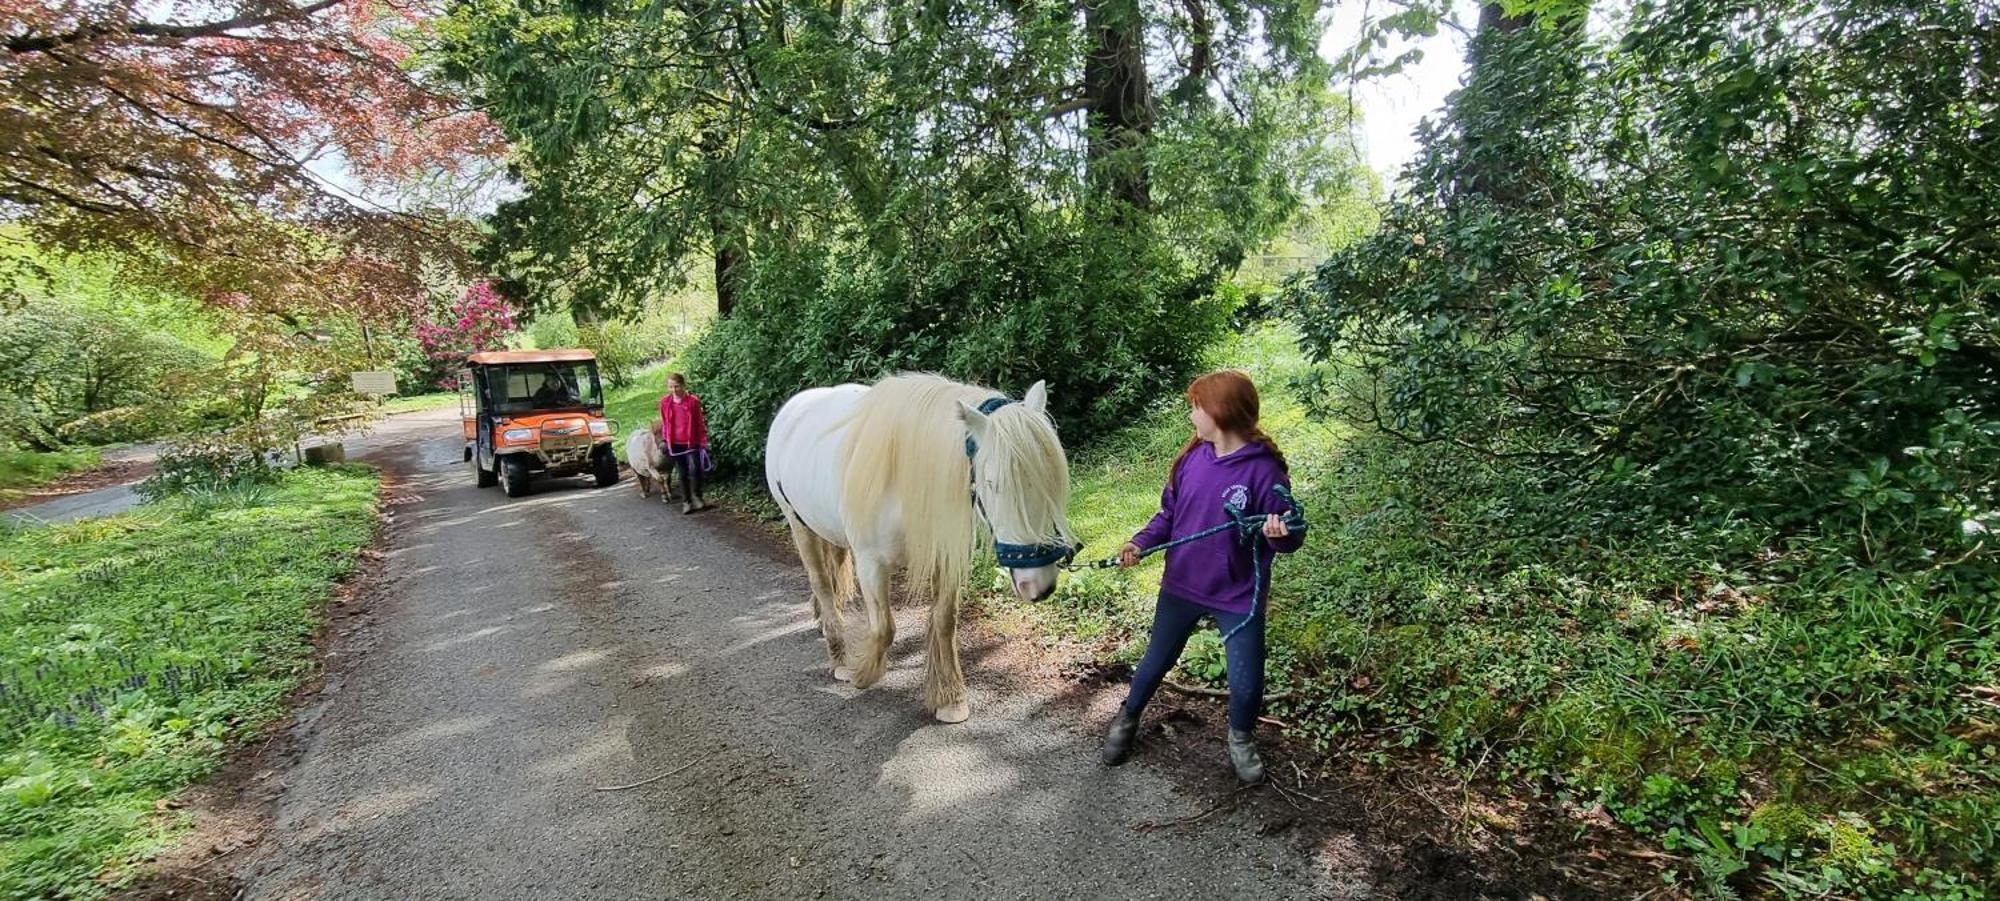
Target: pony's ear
975, 421
1037, 398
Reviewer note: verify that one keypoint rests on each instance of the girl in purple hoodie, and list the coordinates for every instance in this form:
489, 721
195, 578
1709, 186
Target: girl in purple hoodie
1228, 462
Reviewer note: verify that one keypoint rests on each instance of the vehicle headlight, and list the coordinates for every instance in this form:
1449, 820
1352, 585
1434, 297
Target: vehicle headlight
518, 434
600, 427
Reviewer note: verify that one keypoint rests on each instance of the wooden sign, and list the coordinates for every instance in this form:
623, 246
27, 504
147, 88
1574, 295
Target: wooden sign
379, 381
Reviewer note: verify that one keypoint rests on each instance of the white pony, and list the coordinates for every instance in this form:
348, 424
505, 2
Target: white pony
649, 462
898, 475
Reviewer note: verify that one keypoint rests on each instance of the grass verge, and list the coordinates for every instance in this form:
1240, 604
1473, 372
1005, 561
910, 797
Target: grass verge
135, 648
22, 470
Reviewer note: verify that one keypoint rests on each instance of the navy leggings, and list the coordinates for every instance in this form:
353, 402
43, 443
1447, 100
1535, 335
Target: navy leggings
1173, 621
689, 465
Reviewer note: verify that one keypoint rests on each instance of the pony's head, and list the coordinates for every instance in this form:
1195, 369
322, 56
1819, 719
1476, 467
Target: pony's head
1020, 485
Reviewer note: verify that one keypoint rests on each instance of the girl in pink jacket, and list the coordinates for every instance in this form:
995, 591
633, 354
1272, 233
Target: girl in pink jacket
684, 434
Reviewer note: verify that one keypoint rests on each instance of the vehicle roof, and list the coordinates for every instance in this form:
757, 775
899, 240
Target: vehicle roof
557, 355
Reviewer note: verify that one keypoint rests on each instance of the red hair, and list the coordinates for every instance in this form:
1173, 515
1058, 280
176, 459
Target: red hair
1230, 398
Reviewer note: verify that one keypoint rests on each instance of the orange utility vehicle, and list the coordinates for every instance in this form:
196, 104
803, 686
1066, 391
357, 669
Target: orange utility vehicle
535, 411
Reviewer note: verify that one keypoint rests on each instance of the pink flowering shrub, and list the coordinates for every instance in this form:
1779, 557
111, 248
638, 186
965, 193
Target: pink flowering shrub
479, 320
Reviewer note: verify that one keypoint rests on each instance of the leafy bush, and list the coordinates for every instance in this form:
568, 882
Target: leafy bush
624, 346
202, 466
1678, 361
1109, 317
70, 375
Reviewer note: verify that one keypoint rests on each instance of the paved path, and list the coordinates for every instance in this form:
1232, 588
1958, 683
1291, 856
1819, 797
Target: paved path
527, 652
388, 432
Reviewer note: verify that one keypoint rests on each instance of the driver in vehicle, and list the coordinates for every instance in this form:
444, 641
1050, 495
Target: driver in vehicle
554, 391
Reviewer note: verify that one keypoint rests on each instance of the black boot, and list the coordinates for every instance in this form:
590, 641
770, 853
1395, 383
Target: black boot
1118, 742
1244, 757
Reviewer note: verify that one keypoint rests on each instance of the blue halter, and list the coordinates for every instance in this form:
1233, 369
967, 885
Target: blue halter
1012, 556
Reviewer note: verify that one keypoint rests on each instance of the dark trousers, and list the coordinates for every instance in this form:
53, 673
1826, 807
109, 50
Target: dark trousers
1174, 620
689, 466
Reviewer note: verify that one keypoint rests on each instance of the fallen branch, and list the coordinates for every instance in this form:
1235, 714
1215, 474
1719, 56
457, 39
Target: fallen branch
1151, 826
673, 772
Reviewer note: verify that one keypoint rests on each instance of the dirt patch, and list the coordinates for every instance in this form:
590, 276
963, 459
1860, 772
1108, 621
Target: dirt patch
232, 809
103, 475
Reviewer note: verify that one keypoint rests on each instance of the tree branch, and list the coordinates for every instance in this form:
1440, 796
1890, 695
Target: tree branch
29, 43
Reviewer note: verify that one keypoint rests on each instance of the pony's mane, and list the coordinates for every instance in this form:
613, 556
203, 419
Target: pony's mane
905, 441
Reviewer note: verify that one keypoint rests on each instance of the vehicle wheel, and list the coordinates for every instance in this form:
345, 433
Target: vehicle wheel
514, 475
605, 468
482, 476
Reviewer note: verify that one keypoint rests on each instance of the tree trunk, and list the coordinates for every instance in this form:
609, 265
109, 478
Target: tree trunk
1121, 100
1504, 68
727, 258
725, 240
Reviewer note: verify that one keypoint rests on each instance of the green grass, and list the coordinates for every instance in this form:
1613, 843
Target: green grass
413, 402
135, 648
638, 402
21, 470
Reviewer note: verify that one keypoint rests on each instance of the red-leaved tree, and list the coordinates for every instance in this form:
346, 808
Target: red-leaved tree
180, 133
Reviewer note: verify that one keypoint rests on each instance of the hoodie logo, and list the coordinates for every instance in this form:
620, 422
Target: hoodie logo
1237, 496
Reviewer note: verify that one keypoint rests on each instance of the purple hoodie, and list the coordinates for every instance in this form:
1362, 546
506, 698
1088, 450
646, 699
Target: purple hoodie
1215, 571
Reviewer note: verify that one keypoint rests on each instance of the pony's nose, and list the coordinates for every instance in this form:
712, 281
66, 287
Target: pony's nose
1035, 585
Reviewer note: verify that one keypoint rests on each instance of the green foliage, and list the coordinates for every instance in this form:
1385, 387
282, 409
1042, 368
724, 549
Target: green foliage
70, 374
196, 466
1679, 357
638, 403
996, 311
135, 647
958, 187
26, 469
1733, 263
1685, 679
87, 356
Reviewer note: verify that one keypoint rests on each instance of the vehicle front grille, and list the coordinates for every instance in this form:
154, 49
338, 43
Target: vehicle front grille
566, 450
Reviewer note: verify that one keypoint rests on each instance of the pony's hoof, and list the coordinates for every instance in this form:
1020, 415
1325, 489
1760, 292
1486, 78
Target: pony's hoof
954, 713
843, 673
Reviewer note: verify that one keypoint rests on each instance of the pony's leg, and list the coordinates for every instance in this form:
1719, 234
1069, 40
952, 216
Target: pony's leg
821, 563
944, 683
873, 574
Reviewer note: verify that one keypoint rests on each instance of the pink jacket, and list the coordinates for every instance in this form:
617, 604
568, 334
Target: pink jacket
682, 424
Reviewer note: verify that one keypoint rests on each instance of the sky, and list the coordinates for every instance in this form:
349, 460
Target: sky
1391, 106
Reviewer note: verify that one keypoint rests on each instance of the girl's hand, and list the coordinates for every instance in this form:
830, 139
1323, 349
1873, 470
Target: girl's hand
1128, 556
1275, 527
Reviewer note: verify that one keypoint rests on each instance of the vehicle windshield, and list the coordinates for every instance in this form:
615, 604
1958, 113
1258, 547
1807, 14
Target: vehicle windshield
522, 387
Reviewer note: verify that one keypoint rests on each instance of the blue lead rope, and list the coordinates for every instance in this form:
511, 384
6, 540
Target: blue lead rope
1249, 530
